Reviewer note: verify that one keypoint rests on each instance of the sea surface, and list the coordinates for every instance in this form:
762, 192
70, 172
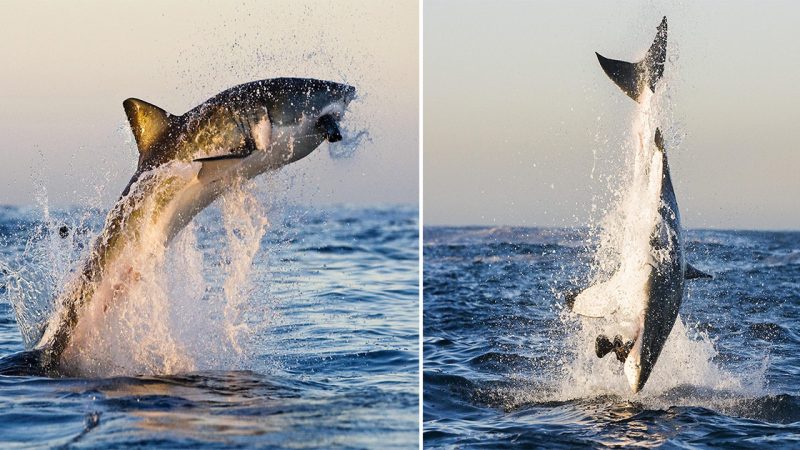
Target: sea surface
506, 365
324, 354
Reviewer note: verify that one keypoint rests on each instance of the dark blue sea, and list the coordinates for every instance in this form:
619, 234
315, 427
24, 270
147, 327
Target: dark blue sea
506, 364
317, 346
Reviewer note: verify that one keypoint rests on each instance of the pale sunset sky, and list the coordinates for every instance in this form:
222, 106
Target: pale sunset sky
68, 66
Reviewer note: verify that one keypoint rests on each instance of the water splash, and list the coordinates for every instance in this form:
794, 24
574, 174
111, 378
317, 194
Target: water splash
158, 310
245, 225
51, 255
354, 134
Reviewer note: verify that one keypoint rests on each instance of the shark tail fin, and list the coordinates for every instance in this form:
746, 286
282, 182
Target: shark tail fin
632, 78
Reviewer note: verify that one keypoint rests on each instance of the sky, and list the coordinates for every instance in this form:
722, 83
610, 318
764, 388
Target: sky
68, 66
522, 127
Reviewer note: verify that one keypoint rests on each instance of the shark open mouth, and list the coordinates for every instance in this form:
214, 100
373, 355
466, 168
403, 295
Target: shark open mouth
327, 124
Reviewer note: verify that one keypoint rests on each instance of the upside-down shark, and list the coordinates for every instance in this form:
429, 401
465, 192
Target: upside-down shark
646, 292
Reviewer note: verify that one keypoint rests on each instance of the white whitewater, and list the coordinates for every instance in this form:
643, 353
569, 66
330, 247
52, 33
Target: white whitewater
158, 310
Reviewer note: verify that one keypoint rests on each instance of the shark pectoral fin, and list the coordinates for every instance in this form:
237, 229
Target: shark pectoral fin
595, 302
693, 272
148, 122
214, 167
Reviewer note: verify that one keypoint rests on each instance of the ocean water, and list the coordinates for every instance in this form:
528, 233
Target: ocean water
507, 365
265, 326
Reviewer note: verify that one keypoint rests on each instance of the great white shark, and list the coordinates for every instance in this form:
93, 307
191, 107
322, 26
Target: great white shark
646, 292
185, 163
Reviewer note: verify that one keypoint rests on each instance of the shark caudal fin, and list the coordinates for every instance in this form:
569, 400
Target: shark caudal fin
633, 78
148, 122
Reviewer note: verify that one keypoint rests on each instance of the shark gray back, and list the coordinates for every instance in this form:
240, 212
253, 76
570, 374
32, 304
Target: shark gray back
666, 280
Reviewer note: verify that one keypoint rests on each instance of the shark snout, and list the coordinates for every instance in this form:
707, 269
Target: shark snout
349, 93
327, 124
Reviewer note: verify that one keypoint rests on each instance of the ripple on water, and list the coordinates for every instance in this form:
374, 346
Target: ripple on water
334, 362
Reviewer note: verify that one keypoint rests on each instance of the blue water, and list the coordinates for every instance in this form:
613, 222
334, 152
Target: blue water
334, 364
504, 364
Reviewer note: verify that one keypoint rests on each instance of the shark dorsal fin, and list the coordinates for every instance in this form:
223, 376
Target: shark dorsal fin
148, 122
693, 272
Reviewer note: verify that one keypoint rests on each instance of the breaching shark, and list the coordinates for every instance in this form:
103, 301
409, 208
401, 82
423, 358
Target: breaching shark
645, 293
185, 163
